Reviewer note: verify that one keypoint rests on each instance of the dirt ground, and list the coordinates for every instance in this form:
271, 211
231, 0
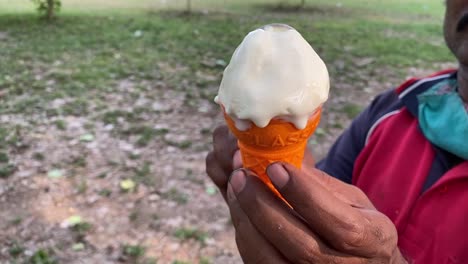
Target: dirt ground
68, 195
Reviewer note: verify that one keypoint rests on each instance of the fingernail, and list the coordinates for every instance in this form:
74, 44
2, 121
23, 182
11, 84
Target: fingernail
237, 160
237, 180
278, 175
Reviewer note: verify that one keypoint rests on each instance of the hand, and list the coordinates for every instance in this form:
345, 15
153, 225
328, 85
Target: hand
226, 157
332, 222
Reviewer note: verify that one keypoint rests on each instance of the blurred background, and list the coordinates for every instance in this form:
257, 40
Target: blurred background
106, 114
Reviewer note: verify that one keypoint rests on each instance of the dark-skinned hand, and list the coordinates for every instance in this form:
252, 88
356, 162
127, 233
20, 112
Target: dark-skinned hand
332, 222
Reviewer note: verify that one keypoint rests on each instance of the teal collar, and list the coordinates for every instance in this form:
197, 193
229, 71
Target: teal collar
443, 117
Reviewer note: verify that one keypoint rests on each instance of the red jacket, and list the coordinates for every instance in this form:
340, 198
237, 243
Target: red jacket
421, 188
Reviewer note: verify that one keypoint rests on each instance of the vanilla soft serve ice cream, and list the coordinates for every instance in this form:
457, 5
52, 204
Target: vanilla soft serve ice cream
274, 73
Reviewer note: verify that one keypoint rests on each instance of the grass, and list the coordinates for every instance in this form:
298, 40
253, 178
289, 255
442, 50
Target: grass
15, 249
180, 262
420, 7
81, 228
43, 256
82, 54
105, 192
6, 170
134, 251
61, 124
16, 221
352, 110
176, 196
204, 260
144, 174
145, 134
191, 233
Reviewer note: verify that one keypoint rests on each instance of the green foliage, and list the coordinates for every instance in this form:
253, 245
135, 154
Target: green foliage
204, 260
16, 221
48, 8
134, 251
144, 175
180, 262
6, 170
61, 124
81, 228
42, 257
352, 110
176, 196
4, 157
191, 233
16, 249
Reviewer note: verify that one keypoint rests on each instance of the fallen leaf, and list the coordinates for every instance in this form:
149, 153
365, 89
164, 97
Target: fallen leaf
210, 190
127, 185
87, 138
74, 220
138, 33
55, 174
71, 221
221, 63
78, 246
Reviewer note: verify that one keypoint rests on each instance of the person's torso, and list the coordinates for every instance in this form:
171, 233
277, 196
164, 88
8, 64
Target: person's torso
417, 185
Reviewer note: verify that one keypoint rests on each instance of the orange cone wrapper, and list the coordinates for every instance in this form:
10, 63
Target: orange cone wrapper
278, 141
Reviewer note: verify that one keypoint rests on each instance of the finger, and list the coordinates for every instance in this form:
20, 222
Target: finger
224, 146
237, 160
348, 193
216, 173
308, 163
309, 159
338, 223
277, 223
253, 247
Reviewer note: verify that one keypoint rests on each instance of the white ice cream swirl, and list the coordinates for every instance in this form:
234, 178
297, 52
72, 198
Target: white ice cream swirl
274, 73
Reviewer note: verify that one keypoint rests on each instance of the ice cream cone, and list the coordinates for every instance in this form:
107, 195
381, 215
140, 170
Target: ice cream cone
279, 141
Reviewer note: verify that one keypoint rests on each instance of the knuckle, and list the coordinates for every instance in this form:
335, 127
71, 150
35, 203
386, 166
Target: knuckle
223, 147
386, 236
210, 158
309, 253
317, 255
220, 132
210, 162
359, 194
237, 224
354, 237
214, 171
251, 254
261, 258
308, 258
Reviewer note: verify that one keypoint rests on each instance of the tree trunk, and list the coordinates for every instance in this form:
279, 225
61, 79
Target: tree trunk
50, 9
302, 3
189, 6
